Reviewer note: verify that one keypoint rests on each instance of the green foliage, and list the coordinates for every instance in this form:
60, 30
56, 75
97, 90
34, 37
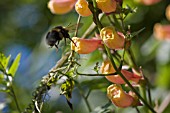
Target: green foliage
66, 90
67, 87
24, 21
5, 76
3, 66
15, 65
4, 61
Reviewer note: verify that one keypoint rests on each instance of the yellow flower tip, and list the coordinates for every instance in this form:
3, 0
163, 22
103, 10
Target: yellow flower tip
85, 46
167, 13
61, 6
107, 6
111, 38
107, 68
118, 97
162, 32
82, 8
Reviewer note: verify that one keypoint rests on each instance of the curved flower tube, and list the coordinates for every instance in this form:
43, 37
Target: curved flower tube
111, 38
162, 32
107, 68
85, 46
118, 97
61, 6
107, 6
82, 8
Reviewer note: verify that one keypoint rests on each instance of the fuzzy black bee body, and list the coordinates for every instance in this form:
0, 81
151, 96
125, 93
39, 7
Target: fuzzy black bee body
56, 35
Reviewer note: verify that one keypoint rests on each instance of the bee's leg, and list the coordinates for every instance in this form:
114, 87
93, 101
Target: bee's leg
72, 41
56, 46
65, 40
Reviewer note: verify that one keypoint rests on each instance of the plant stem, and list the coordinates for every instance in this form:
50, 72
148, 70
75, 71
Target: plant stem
148, 86
15, 99
149, 95
132, 59
117, 24
127, 82
12, 91
87, 74
142, 90
142, 87
99, 25
137, 110
84, 97
77, 26
93, 7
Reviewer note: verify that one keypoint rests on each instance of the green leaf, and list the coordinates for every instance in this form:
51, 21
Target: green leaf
7, 61
4, 61
136, 33
15, 65
1, 67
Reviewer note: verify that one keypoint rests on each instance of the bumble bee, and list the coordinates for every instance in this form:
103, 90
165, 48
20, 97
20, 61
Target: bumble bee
54, 36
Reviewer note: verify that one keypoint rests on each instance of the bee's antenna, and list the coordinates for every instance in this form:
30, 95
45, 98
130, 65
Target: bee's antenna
73, 42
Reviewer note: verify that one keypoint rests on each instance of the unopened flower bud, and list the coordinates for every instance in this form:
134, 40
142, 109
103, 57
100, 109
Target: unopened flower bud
111, 38
107, 6
85, 46
61, 6
82, 8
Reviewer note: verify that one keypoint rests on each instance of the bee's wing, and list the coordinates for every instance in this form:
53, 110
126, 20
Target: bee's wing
73, 27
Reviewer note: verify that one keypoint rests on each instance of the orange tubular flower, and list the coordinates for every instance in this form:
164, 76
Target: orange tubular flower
118, 97
61, 6
107, 68
106, 6
162, 32
111, 38
82, 8
168, 12
85, 46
